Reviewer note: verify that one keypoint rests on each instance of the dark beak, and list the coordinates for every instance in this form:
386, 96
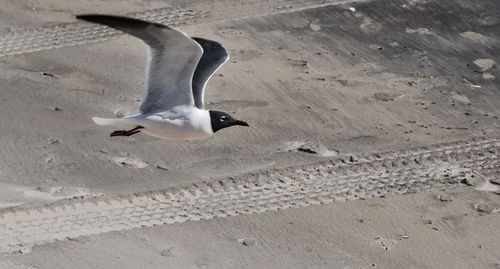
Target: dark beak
240, 122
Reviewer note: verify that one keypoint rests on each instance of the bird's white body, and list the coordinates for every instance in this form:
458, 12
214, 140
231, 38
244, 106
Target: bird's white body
179, 123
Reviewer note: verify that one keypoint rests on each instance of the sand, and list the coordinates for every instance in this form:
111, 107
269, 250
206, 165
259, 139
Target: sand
411, 231
339, 94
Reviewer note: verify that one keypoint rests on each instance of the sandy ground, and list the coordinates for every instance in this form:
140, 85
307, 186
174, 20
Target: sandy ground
412, 231
318, 82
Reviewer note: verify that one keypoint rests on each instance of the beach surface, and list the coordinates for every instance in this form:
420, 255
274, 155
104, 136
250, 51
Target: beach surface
374, 138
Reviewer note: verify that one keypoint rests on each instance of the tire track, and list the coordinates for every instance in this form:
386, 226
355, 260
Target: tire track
336, 180
72, 34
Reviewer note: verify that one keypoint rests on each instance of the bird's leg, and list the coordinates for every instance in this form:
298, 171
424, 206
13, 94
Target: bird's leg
135, 130
127, 132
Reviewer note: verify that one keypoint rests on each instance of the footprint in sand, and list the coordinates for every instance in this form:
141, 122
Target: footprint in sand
58, 192
231, 32
15, 195
129, 162
118, 160
310, 147
245, 55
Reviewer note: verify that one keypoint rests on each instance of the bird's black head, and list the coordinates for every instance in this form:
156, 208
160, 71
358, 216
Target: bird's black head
221, 120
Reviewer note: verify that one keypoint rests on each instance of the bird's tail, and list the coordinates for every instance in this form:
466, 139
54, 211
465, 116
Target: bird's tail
115, 122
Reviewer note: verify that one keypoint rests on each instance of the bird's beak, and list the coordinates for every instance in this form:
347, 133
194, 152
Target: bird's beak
240, 122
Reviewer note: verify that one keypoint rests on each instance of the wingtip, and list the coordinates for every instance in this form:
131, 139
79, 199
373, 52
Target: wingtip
117, 21
86, 17
95, 18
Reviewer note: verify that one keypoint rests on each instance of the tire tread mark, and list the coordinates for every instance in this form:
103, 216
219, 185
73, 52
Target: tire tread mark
375, 175
72, 34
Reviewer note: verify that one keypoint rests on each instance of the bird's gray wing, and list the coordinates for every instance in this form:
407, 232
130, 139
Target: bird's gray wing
214, 56
172, 59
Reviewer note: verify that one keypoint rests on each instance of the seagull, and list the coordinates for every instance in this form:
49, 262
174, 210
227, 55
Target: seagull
177, 70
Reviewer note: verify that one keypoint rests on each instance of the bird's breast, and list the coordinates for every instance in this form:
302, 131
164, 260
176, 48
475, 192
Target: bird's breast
185, 126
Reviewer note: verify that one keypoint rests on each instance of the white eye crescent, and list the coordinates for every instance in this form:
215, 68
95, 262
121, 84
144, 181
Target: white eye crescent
222, 118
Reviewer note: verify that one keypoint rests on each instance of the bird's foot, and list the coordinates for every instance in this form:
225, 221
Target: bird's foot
127, 132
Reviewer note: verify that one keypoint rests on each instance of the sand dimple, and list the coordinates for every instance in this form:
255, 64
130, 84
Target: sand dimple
120, 161
231, 32
460, 97
310, 147
420, 30
20, 195
488, 186
384, 243
245, 55
384, 97
487, 208
488, 76
315, 27
299, 66
247, 242
58, 192
476, 37
484, 64
129, 162
370, 26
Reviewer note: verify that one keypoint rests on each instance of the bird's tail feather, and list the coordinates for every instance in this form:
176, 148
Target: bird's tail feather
115, 122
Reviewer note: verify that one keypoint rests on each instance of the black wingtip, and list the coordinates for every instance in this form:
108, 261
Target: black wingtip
117, 21
90, 17
98, 18
82, 16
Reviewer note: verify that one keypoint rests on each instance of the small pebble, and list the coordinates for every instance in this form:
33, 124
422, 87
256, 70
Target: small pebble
48, 74
80, 239
482, 207
309, 148
445, 198
52, 141
168, 252
162, 167
247, 242
48, 159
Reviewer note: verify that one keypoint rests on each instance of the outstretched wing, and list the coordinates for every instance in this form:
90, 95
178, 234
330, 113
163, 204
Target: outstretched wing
214, 56
172, 60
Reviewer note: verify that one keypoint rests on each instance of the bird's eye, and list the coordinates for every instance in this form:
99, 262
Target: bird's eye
222, 118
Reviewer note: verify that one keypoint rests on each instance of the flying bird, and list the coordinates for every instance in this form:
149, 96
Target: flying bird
177, 70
